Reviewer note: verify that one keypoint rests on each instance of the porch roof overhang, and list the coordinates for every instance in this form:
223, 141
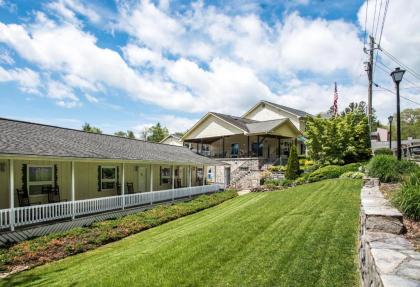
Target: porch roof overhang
36, 141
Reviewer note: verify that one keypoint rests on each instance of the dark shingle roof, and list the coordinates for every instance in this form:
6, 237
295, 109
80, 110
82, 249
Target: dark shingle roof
265, 126
251, 126
24, 138
291, 110
236, 121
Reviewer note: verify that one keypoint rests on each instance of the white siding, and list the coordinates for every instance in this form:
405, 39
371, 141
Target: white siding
267, 112
213, 127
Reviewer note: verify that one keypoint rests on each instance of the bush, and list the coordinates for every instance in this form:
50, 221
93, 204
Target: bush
388, 169
277, 168
350, 167
352, 174
383, 151
273, 181
326, 172
407, 199
292, 171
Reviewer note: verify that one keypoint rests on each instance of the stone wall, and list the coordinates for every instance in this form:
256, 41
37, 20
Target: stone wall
386, 258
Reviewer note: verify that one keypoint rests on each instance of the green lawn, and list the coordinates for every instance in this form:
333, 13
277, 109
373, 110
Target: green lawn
304, 236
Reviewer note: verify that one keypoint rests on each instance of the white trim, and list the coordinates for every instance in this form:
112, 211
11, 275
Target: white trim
123, 185
73, 190
37, 183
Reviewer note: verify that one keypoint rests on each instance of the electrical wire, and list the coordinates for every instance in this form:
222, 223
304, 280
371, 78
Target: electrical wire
379, 19
392, 92
383, 22
366, 17
408, 69
374, 17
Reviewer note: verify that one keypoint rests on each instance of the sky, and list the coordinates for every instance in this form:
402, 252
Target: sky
126, 65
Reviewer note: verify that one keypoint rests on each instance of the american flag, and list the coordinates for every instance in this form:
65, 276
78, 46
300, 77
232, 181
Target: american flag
335, 104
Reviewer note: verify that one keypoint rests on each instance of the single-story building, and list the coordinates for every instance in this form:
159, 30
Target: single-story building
49, 173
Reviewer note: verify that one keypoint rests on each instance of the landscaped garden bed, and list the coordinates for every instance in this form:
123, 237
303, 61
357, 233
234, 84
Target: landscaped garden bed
59, 245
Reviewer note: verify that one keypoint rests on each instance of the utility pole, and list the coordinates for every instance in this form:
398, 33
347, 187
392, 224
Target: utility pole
369, 69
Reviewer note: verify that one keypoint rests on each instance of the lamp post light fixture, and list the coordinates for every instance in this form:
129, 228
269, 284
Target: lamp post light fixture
390, 118
397, 76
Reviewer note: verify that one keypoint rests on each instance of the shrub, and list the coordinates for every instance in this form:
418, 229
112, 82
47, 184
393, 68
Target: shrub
326, 172
407, 199
352, 174
300, 180
292, 171
388, 169
384, 150
277, 168
350, 167
273, 181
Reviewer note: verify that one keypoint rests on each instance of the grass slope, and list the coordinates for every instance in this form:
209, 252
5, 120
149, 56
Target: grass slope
303, 236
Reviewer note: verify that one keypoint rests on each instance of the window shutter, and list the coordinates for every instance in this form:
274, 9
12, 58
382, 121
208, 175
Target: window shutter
24, 178
99, 178
55, 176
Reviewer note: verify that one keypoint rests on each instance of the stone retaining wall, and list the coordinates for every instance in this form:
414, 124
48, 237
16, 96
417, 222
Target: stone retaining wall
386, 258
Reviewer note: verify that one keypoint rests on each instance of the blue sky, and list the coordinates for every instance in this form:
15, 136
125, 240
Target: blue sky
128, 64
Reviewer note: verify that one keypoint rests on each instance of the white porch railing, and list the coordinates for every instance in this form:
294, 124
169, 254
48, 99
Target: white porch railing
55, 211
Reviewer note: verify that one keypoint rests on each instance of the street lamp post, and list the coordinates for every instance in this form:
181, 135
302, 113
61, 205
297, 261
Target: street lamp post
390, 118
397, 76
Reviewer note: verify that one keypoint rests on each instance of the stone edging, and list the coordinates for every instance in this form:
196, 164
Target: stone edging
386, 258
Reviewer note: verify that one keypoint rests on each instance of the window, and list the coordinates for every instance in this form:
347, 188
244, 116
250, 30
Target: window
234, 150
165, 175
108, 177
39, 176
257, 150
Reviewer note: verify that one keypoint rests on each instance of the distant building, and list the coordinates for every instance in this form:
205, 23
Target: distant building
172, 140
380, 135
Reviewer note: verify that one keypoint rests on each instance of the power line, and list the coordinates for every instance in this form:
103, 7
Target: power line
392, 92
366, 17
383, 22
409, 70
379, 18
374, 17
405, 80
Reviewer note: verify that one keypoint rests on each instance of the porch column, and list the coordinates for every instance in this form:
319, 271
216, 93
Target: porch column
151, 178
190, 178
73, 191
223, 147
173, 176
11, 194
204, 171
258, 146
123, 186
248, 146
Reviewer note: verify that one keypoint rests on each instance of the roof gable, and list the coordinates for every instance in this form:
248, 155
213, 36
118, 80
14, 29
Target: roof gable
215, 125
288, 110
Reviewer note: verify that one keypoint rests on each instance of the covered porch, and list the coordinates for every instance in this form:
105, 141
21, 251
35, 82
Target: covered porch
264, 146
35, 190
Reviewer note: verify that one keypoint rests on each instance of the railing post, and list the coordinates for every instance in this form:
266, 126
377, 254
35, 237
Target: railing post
11, 194
123, 186
73, 193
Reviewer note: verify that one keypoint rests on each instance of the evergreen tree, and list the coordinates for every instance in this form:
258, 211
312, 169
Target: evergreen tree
157, 133
292, 171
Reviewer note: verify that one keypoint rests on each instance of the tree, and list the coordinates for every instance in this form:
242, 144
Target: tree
338, 140
410, 124
157, 133
91, 129
292, 170
127, 134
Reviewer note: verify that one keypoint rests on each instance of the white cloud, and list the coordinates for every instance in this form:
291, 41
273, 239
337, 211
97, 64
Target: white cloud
28, 80
63, 95
171, 122
68, 10
91, 99
140, 56
6, 58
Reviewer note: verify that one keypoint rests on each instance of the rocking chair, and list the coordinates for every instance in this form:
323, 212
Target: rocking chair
23, 197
